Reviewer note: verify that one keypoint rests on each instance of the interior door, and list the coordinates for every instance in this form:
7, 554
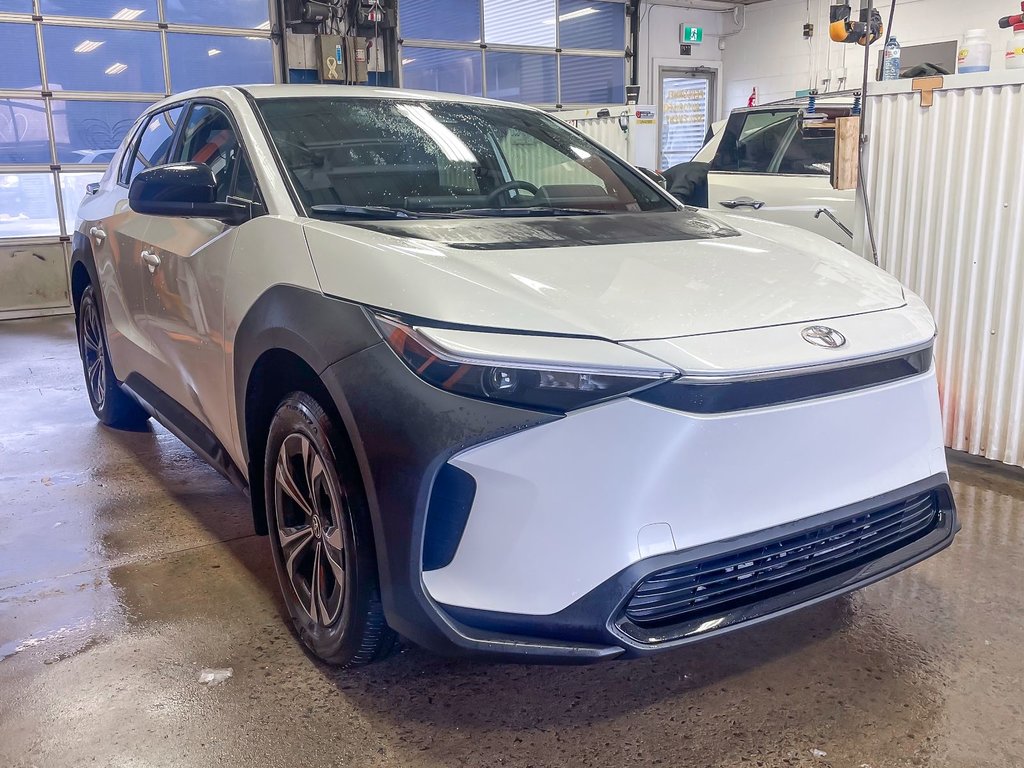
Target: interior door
187, 267
687, 111
768, 165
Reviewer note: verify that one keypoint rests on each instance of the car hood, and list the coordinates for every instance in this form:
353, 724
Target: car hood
618, 277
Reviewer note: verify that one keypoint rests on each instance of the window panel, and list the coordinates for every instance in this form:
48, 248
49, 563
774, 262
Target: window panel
526, 22
97, 59
19, 57
591, 24
201, 60
24, 134
28, 205
243, 14
525, 77
209, 138
15, 6
459, 22
435, 69
752, 140
72, 192
685, 110
91, 131
593, 80
155, 142
121, 10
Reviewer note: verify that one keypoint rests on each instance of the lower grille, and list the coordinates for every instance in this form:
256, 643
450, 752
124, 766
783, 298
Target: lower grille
705, 589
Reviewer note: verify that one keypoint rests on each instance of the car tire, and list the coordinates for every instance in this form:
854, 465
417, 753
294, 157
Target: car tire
109, 402
321, 537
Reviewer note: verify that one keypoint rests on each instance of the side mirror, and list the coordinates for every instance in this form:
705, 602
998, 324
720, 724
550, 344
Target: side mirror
182, 189
654, 176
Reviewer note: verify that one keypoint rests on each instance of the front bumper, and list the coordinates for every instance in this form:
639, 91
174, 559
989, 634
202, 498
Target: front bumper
537, 572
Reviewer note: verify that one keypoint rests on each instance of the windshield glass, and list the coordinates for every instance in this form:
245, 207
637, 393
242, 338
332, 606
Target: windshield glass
429, 158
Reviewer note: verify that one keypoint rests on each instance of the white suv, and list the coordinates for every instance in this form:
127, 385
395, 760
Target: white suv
772, 162
490, 388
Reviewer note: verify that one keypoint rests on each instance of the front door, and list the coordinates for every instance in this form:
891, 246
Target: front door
687, 111
186, 276
770, 165
118, 237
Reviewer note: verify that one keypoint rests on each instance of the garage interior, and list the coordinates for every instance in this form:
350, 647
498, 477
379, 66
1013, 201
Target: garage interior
129, 567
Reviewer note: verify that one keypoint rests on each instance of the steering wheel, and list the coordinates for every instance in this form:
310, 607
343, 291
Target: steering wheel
508, 186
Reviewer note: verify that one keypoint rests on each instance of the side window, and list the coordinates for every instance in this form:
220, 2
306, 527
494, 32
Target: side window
153, 144
245, 184
751, 141
209, 138
810, 152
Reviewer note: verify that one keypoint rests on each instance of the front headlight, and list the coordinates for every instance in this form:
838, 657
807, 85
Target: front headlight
548, 373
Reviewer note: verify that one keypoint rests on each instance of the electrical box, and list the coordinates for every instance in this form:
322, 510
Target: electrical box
357, 46
630, 132
330, 58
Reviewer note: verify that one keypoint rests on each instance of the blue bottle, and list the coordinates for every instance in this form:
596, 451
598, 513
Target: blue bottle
891, 60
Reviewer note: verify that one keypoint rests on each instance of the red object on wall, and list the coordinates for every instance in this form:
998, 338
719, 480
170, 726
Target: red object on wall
752, 101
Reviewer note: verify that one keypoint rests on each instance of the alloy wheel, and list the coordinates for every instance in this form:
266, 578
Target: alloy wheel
309, 515
94, 354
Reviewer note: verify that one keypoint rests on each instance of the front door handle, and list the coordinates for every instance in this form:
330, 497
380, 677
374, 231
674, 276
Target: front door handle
98, 235
152, 260
743, 202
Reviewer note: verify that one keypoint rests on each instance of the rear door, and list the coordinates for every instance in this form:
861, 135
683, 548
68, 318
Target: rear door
770, 166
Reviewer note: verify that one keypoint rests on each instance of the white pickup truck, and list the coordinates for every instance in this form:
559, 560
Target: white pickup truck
772, 162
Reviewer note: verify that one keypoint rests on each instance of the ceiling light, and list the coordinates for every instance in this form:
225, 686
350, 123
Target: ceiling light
213, 52
88, 46
573, 15
127, 14
116, 69
408, 61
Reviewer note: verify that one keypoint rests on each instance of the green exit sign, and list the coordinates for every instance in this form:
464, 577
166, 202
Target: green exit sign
692, 35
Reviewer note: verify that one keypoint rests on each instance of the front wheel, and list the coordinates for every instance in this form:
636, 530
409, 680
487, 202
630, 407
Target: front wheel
321, 538
109, 402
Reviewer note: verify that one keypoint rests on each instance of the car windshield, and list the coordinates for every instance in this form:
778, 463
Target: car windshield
360, 158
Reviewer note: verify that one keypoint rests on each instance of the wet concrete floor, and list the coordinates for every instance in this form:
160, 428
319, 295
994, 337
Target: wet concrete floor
127, 566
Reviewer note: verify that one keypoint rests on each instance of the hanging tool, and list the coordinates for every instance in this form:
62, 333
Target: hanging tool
842, 29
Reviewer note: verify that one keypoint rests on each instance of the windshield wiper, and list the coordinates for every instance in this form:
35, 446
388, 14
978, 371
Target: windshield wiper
363, 211
535, 210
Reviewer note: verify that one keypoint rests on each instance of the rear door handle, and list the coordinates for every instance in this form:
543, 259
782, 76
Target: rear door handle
743, 202
152, 260
98, 235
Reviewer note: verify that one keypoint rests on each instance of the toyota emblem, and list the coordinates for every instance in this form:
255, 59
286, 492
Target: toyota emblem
823, 336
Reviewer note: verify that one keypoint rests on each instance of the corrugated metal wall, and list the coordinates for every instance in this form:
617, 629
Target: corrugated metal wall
947, 191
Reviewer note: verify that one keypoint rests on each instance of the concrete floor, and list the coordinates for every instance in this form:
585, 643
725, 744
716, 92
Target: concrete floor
127, 566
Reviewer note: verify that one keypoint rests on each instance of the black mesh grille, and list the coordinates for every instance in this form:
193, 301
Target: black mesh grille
714, 586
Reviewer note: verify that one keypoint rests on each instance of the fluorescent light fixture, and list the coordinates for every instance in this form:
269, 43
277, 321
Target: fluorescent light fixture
408, 61
452, 146
88, 46
127, 14
573, 15
115, 69
213, 52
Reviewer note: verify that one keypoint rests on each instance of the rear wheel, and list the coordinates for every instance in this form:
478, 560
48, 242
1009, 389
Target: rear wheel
110, 403
320, 533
